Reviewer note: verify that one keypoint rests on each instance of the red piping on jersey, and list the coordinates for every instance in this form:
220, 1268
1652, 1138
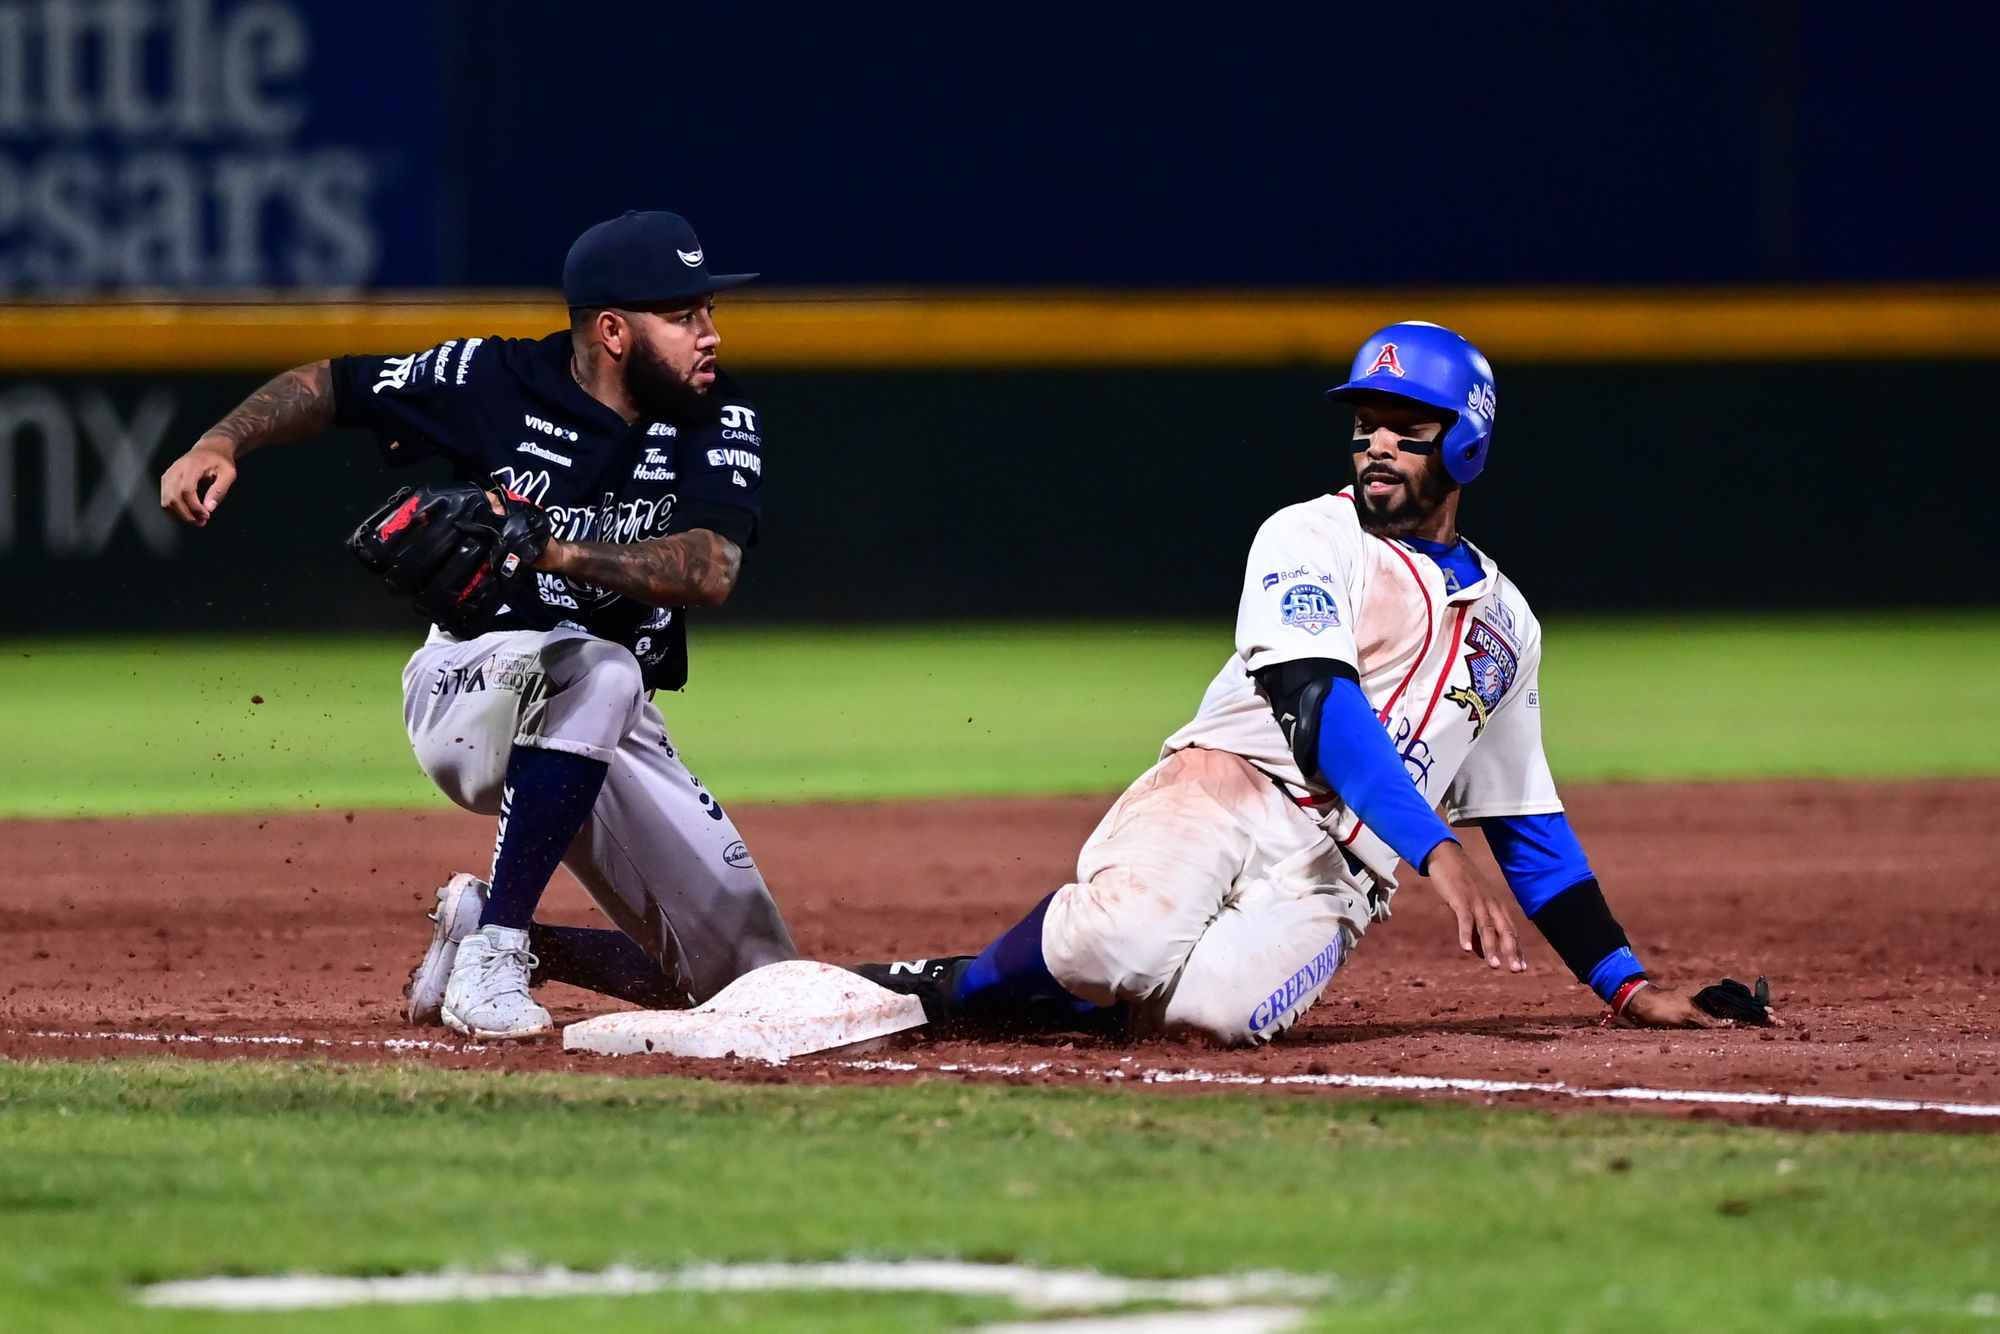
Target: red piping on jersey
1457, 639
1430, 617
1430, 613
1457, 628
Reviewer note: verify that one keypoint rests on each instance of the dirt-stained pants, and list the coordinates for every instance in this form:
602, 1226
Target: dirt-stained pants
1208, 900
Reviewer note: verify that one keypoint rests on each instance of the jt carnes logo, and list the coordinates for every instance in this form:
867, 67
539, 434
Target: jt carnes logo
740, 423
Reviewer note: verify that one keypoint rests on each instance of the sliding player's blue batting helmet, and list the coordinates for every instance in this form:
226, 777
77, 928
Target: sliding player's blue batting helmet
1434, 366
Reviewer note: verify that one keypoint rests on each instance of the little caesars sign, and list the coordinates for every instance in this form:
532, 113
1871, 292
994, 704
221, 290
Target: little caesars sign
178, 143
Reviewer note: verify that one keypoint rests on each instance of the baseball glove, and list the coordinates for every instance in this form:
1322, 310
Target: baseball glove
446, 548
1730, 999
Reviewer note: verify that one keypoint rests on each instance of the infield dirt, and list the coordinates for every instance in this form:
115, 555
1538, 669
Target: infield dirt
1872, 906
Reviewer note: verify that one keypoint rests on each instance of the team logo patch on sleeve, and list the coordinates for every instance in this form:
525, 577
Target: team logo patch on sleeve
1492, 665
1309, 607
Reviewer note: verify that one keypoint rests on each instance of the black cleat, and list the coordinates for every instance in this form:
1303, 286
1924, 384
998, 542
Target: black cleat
932, 981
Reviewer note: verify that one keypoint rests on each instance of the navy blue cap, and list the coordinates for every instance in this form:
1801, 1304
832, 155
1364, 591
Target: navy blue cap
640, 259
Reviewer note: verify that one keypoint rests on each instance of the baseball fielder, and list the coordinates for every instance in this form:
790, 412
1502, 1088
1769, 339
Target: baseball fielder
1383, 665
610, 480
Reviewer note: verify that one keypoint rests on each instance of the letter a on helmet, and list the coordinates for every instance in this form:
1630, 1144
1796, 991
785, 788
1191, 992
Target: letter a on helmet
1430, 364
1385, 360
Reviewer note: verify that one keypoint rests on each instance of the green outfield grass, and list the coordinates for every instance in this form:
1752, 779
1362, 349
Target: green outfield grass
128, 726
1427, 1216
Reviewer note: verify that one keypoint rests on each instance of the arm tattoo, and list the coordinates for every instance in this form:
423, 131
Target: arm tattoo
697, 568
290, 407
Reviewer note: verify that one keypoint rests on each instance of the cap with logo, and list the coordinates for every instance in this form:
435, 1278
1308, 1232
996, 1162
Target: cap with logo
640, 259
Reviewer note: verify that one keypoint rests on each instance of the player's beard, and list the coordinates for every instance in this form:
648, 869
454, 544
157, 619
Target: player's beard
1401, 512
659, 391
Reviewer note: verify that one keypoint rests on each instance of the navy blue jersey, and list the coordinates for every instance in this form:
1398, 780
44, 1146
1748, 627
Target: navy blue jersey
509, 408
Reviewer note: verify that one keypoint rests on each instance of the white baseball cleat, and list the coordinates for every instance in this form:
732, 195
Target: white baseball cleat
487, 996
459, 903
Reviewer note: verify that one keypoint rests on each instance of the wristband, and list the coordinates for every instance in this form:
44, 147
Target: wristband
1623, 996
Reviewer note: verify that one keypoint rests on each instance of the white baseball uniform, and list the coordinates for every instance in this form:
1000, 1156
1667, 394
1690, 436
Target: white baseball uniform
1224, 888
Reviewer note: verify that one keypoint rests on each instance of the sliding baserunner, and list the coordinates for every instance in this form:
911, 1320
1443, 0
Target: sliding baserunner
1383, 666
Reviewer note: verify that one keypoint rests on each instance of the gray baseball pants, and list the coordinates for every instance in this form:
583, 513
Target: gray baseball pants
658, 854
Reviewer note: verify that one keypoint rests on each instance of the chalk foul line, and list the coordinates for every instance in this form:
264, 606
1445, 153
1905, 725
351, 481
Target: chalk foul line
1215, 1304
1498, 1088
1440, 1084
253, 1040
1027, 1288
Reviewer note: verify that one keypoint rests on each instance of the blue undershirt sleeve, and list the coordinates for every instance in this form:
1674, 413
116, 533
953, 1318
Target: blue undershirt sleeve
1542, 859
1358, 761
1538, 854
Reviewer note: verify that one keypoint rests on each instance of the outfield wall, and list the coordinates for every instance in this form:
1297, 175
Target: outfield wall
307, 145
1638, 477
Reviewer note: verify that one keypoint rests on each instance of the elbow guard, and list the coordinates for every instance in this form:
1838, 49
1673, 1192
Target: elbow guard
1296, 691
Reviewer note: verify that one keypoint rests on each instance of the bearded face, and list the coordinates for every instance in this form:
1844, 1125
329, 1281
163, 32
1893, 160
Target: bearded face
671, 364
660, 389
1398, 496
1399, 476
